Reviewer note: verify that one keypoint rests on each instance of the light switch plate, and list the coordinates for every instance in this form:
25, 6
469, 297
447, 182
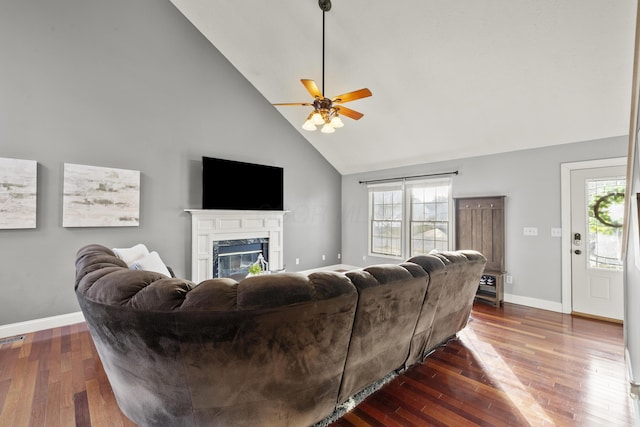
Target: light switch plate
556, 232
530, 231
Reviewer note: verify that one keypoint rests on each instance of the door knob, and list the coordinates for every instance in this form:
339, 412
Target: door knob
577, 252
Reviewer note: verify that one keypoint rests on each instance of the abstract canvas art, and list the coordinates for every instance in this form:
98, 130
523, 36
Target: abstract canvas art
18, 190
96, 196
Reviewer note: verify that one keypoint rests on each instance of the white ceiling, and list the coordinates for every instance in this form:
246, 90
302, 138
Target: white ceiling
450, 79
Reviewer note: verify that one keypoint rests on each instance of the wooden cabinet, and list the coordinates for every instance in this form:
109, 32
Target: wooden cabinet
479, 225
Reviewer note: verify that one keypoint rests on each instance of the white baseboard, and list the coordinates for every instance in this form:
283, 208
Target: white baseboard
534, 302
40, 324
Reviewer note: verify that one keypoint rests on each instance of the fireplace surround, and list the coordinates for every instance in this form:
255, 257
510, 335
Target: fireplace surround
209, 226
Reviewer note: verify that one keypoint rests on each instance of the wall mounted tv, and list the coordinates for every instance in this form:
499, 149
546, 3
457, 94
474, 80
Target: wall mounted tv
229, 184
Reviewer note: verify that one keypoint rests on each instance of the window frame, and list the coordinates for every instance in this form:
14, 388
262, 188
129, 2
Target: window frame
407, 217
373, 188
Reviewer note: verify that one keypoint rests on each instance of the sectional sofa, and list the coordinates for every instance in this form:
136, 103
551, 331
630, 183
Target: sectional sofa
271, 350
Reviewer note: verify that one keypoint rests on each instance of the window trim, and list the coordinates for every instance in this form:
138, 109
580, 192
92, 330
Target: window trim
405, 186
389, 186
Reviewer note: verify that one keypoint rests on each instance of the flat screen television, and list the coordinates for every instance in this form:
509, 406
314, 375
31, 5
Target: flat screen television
229, 184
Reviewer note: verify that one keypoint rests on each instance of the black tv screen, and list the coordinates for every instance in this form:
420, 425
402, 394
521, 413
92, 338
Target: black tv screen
229, 184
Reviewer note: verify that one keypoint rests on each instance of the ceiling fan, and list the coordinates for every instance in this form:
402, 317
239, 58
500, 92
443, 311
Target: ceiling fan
327, 111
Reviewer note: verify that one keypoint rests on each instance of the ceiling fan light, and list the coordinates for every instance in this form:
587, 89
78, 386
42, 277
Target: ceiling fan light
336, 122
327, 128
317, 119
308, 125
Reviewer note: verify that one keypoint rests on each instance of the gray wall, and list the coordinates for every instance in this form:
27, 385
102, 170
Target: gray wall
531, 181
133, 85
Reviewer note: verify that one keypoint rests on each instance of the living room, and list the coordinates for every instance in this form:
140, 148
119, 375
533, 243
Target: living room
136, 86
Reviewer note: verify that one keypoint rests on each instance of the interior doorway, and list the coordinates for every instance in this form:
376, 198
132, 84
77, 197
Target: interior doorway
592, 282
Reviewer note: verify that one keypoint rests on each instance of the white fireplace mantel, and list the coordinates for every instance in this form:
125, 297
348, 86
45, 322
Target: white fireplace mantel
210, 225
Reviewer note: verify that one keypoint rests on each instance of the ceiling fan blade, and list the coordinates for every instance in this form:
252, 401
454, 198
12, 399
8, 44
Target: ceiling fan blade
352, 96
348, 112
312, 87
304, 104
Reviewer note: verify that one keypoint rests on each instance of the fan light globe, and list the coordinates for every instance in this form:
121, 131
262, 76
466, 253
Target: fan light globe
308, 125
327, 128
336, 122
317, 119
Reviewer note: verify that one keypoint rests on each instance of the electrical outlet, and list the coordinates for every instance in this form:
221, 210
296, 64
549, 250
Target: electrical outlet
297, 261
324, 257
364, 257
509, 280
530, 231
339, 256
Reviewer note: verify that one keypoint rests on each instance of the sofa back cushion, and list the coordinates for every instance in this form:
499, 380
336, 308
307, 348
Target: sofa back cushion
390, 297
437, 271
464, 269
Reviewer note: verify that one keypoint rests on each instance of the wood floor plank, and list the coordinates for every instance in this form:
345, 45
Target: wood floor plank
65, 339
8, 360
4, 390
96, 405
381, 400
12, 400
81, 409
55, 364
52, 418
40, 397
67, 411
26, 393
511, 366
373, 412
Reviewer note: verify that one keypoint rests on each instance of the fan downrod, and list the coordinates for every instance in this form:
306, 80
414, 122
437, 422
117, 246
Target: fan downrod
325, 5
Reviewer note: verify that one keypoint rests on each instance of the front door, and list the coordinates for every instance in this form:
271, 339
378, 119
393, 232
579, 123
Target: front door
597, 210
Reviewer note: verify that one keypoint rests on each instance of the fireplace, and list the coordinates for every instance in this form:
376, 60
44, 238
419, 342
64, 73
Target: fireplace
209, 227
232, 258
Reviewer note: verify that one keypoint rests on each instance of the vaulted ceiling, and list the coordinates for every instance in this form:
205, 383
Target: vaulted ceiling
450, 79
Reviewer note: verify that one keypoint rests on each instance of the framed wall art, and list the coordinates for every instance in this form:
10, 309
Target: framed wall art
96, 196
18, 191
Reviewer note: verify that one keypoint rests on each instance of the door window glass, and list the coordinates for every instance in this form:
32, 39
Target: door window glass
605, 213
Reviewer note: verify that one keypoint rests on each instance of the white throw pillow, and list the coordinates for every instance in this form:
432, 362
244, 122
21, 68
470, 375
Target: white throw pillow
129, 255
151, 262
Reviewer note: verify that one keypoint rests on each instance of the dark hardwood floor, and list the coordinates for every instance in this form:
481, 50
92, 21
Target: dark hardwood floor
511, 366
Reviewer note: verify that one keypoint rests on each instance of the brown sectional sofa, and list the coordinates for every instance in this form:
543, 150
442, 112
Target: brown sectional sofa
279, 350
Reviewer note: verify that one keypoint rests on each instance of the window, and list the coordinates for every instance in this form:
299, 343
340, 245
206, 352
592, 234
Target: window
408, 219
429, 217
386, 220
